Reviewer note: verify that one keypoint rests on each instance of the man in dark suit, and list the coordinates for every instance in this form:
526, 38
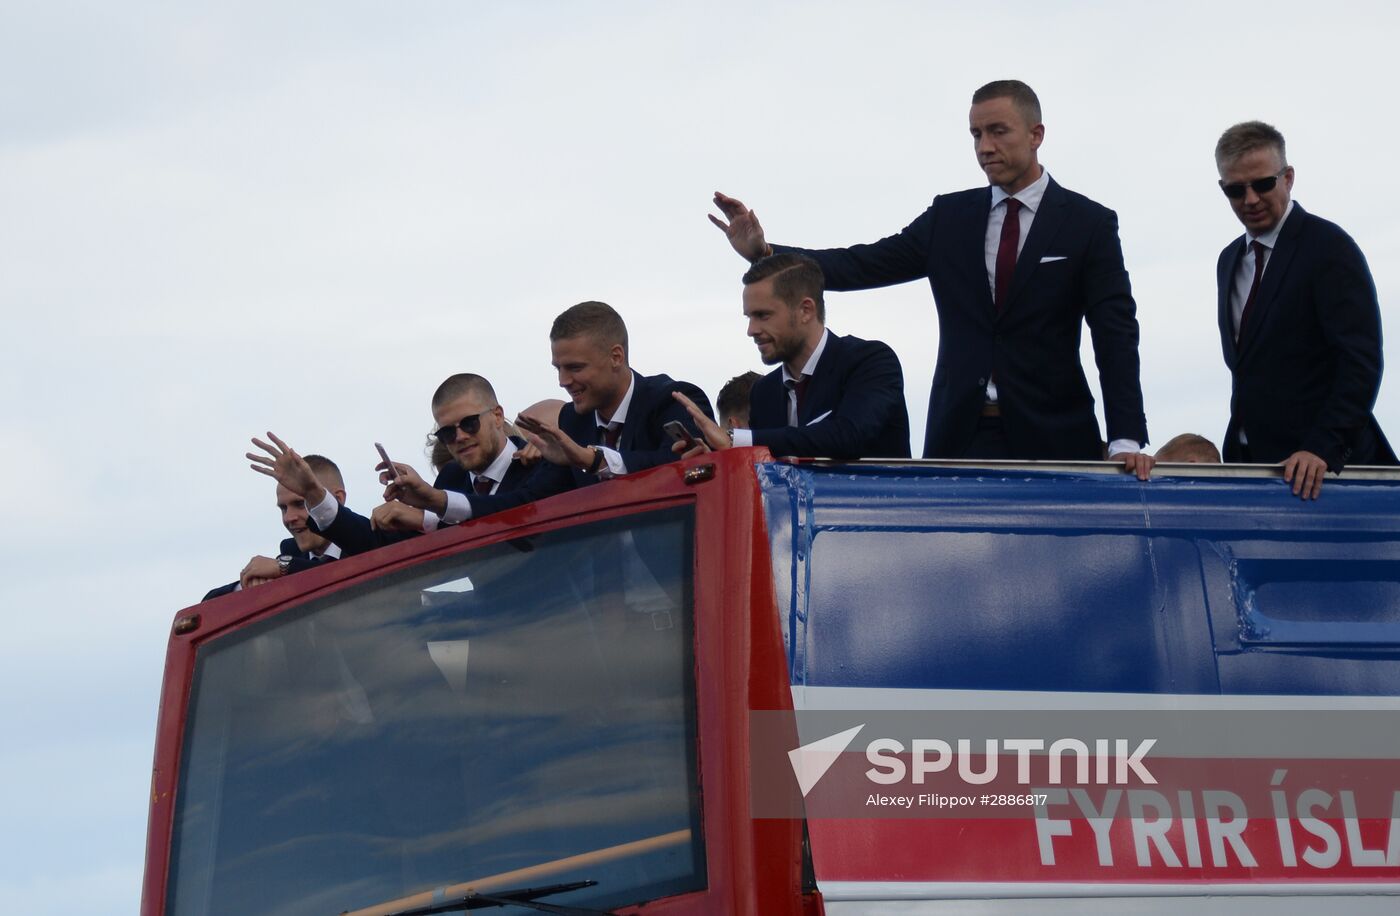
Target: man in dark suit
1016, 269
471, 425
613, 427
1299, 324
831, 396
305, 548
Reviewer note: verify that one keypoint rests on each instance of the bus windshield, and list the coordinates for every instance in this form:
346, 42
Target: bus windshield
515, 705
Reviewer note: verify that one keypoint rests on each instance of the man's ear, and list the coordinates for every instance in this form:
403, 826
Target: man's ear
339, 496
807, 309
617, 355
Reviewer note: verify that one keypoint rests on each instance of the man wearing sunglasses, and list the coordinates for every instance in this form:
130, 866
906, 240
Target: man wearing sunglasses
1017, 269
1299, 324
472, 426
613, 427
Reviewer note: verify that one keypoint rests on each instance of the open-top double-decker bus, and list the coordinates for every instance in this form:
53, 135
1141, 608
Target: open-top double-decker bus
600, 702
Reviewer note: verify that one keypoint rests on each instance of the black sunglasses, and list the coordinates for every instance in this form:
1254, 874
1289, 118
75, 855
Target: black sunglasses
469, 424
1235, 190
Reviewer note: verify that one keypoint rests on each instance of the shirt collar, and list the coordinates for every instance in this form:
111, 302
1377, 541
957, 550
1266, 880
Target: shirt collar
619, 416
1270, 238
332, 552
496, 470
1029, 196
812, 360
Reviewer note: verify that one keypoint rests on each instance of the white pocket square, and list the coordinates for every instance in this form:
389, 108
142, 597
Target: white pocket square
815, 420
1053, 257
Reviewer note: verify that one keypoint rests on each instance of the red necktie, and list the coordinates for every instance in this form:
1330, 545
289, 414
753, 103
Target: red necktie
611, 433
1258, 249
482, 485
1006, 251
800, 387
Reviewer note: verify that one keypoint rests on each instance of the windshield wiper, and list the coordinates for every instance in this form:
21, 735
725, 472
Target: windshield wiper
525, 897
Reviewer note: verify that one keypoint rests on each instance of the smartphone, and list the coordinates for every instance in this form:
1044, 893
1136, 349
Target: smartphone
677, 431
393, 471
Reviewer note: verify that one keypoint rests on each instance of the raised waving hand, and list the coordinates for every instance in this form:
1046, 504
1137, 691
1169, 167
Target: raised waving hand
743, 230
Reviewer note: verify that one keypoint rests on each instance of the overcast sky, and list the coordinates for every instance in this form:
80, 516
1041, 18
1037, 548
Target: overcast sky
217, 220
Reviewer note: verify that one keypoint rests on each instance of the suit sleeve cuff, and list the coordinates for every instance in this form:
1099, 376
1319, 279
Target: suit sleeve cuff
324, 512
459, 509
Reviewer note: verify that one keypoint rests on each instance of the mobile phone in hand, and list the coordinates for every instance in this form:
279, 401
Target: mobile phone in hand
393, 471
678, 433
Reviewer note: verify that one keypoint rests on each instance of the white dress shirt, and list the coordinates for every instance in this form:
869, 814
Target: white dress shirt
613, 465
1029, 198
1244, 276
323, 513
1244, 273
459, 509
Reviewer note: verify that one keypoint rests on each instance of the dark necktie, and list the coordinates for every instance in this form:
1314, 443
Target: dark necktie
1258, 249
611, 433
800, 387
1006, 251
482, 485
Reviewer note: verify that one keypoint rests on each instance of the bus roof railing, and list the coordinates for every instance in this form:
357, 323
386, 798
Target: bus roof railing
1161, 469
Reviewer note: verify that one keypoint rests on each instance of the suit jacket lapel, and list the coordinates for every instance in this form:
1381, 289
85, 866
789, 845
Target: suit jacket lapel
515, 472
636, 411
1044, 228
821, 389
1274, 269
1225, 286
972, 230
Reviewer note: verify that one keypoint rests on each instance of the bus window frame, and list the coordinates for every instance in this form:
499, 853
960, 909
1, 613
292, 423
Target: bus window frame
748, 861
